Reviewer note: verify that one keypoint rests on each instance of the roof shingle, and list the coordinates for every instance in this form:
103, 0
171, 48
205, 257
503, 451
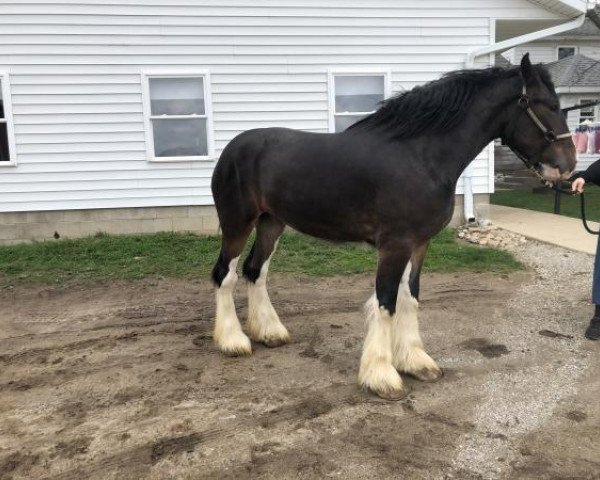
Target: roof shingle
575, 71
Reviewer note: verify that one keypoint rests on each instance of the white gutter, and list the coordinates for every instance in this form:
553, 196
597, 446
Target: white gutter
469, 211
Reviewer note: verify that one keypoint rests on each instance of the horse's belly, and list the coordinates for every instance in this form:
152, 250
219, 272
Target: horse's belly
340, 225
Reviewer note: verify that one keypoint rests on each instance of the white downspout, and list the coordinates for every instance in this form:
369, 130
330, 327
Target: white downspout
468, 203
468, 200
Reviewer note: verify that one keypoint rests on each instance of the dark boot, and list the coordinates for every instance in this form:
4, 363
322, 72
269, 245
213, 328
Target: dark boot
593, 331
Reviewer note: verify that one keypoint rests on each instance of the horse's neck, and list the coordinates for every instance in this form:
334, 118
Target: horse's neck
485, 121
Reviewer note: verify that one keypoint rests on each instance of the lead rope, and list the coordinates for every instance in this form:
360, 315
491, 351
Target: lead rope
581, 203
584, 219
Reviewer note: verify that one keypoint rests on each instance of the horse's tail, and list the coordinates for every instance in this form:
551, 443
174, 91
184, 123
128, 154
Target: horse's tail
234, 185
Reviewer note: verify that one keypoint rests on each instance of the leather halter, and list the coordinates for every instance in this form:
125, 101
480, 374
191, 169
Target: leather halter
549, 134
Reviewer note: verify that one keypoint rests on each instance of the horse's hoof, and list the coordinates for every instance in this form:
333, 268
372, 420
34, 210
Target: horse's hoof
236, 345
275, 342
427, 374
237, 352
390, 394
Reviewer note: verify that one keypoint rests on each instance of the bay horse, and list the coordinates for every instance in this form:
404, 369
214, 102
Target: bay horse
388, 180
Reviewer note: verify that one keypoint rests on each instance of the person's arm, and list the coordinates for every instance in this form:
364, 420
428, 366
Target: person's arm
592, 174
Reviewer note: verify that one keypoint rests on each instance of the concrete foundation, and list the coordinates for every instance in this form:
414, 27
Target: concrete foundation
20, 227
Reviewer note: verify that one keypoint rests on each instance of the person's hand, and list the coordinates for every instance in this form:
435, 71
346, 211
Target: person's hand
577, 185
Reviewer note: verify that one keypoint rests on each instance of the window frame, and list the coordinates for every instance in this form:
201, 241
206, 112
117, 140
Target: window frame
8, 120
331, 74
147, 112
595, 110
558, 47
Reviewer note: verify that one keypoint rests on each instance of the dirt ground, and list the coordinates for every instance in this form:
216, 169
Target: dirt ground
121, 381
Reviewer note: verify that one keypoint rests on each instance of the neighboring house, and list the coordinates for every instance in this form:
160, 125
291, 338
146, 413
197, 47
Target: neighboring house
114, 113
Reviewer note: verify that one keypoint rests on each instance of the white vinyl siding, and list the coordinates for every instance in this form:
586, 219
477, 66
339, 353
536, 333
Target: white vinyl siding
75, 69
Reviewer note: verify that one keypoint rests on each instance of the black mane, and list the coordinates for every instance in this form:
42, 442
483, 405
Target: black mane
438, 105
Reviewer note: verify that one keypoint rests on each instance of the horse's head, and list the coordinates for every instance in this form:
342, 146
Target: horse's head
537, 130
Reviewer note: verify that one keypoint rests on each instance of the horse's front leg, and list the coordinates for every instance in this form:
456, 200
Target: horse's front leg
377, 372
408, 354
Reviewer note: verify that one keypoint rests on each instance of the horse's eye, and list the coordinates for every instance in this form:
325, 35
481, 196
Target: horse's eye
554, 108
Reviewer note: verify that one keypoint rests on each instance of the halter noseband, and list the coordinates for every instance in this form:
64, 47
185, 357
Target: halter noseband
549, 135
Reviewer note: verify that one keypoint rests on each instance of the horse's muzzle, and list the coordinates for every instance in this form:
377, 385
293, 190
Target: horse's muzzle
554, 174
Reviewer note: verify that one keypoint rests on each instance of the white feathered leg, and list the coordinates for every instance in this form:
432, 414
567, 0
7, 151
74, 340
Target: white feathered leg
407, 348
228, 334
376, 370
263, 322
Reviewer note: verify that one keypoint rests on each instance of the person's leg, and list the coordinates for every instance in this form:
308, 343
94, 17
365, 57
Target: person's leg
593, 330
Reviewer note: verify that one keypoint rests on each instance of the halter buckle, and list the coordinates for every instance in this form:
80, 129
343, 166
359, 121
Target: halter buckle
550, 136
524, 101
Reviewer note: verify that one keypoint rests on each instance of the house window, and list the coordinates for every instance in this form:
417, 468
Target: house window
178, 117
7, 145
353, 97
564, 52
587, 113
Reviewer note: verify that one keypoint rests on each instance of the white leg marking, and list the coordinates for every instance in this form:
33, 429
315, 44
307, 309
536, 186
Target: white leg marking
263, 322
407, 347
376, 370
228, 334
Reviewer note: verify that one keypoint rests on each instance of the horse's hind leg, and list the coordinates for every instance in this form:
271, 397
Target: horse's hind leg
228, 334
263, 322
408, 354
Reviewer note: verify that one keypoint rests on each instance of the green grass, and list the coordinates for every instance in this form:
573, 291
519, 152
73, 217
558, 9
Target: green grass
544, 202
107, 257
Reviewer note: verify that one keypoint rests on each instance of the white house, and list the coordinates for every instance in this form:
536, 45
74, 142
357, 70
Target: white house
114, 113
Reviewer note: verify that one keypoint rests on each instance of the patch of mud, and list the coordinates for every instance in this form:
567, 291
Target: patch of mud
71, 448
17, 463
576, 416
174, 445
485, 347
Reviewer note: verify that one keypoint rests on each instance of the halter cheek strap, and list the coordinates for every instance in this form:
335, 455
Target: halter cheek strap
549, 134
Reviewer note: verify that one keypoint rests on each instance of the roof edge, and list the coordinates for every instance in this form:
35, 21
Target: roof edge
594, 15
580, 5
572, 7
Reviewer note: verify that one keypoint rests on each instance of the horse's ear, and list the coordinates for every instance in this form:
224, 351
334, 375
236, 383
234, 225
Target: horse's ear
527, 70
